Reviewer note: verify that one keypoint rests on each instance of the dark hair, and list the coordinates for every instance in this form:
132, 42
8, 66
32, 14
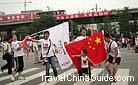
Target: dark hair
36, 37
107, 35
7, 38
46, 32
12, 35
84, 51
82, 29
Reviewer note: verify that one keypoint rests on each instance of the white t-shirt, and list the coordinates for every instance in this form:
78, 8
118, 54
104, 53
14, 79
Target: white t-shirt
14, 46
84, 62
112, 46
80, 38
7, 47
35, 46
123, 40
45, 46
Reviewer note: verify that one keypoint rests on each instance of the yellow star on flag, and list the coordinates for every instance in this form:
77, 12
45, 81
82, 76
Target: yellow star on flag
98, 40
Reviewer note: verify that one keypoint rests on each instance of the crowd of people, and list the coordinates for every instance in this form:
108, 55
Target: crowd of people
13, 51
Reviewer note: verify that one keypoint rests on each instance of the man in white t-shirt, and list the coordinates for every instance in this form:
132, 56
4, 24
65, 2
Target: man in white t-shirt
114, 58
48, 49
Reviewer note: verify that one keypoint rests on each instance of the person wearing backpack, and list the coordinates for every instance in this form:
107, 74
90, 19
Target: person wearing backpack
7, 55
114, 57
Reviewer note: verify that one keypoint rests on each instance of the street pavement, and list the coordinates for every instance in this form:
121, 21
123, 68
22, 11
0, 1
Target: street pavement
33, 72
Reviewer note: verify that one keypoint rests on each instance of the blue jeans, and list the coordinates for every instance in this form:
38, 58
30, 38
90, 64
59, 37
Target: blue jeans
51, 60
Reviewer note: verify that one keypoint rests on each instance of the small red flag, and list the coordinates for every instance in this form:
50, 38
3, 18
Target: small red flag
26, 49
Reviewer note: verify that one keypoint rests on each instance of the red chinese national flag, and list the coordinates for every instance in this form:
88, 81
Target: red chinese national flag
95, 49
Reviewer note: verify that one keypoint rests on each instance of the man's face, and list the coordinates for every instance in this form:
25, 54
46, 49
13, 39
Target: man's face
83, 32
46, 35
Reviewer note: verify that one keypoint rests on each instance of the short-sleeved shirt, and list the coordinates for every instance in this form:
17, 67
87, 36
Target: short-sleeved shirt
84, 62
112, 46
80, 38
7, 47
123, 40
45, 44
14, 46
35, 46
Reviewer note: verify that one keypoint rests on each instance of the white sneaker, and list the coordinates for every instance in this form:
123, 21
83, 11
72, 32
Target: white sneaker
21, 78
12, 78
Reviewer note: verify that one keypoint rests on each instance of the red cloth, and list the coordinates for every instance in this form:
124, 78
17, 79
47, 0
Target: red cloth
95, 47
26, 49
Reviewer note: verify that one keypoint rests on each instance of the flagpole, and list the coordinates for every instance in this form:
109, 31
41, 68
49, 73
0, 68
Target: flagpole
104, 62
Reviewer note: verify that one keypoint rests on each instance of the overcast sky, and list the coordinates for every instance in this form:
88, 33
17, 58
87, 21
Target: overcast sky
71, 6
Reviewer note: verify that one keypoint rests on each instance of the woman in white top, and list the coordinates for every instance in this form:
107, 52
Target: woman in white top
8, 56
17, 47
83, 32
114, 58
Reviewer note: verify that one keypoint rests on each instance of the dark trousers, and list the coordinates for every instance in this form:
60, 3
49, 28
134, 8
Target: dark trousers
8, 65
124, 45
51, 61
19, 63
89, 70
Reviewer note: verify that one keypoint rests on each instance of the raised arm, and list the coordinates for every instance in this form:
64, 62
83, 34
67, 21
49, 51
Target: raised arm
31, 39
76, 56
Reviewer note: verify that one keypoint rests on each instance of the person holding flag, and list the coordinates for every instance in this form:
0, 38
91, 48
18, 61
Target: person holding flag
48, 49
17, 47
84, 62
83, 32
114, 58
95, 47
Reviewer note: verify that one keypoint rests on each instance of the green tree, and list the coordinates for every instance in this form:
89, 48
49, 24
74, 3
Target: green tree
124, 17
45, 21
73, 28
21, 32
109, 25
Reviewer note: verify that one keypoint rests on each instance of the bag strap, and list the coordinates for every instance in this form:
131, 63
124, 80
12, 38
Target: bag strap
49, 47
109, 49
7, 47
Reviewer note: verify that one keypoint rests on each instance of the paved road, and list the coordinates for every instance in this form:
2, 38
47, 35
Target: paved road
33, 72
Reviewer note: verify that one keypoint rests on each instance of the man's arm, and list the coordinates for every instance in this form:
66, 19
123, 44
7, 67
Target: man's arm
30, 39
33, 40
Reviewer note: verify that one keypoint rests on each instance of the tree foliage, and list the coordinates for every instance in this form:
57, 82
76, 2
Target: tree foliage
21, 32
44, 22
119, 24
